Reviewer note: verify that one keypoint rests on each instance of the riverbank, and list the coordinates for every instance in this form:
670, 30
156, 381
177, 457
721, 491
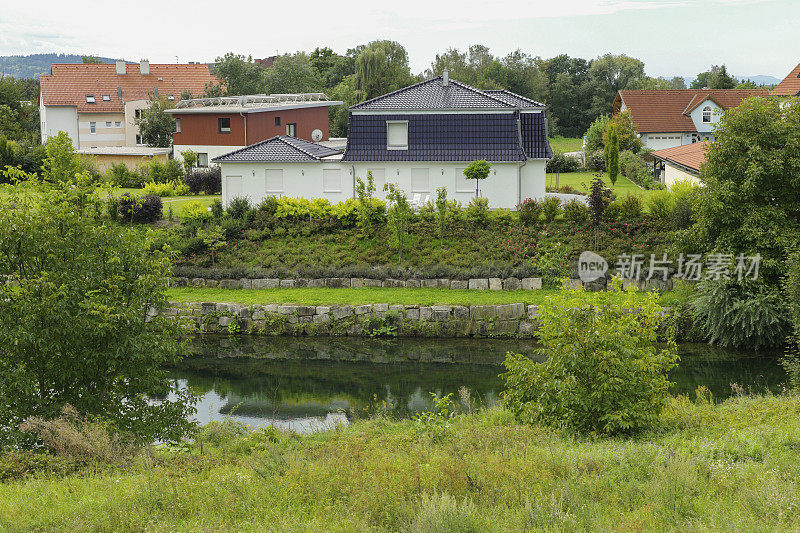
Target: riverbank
731, 466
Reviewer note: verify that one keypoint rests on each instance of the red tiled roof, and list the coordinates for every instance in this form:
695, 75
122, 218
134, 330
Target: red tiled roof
655, 111
68, 84
790, 86
689, 155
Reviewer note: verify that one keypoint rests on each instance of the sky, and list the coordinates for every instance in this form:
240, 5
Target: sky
672, 37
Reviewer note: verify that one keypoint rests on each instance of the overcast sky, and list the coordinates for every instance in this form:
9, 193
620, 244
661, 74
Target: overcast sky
672, 37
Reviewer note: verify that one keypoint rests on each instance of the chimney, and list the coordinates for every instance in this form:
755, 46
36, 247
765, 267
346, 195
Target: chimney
121, 67
445, 77
144, 67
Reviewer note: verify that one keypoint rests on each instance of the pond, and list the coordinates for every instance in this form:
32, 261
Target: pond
309, 384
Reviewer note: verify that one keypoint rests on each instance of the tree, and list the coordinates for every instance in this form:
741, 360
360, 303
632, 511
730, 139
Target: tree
627, 136
380, 68
156, 126
612, 154
214, 239
240, 74
477, 170
596, 132
441, 213
77, 326
398, 216
292, 73
609, 74
61, 163
716, 78
91, 60
751, 200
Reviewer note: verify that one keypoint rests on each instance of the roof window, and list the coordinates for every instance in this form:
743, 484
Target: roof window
106, 98
170, 97
89, 98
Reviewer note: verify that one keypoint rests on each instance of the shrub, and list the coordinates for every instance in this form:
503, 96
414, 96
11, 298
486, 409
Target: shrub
612, 212
477, 212
153, 170
746, 314
269, 206
233, 228
194, 180
596, 161
502, 217
120, 175
144, 209
551, 208
239, 208
602, 373
630, 208
562, 163
173, 170
194, 213
166, 189
207, 180
791, 361
529, 211
682, 215
660, 205
217, 211
576, 212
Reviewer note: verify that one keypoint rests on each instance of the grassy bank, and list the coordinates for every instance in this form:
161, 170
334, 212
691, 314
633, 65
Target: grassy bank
730, 467
566, 144
371, 295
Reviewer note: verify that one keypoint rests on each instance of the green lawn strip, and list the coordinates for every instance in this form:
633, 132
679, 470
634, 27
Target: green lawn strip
582, 180
566, 144
370, 295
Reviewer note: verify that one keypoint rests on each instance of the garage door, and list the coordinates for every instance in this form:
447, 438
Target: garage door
661, 141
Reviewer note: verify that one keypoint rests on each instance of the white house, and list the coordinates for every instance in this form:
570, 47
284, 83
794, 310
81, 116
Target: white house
680, 163
420, 137
668, 118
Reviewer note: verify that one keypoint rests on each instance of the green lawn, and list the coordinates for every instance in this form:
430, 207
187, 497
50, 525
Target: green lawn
581, 181
176, 202
566, 144
371, 295
704, 467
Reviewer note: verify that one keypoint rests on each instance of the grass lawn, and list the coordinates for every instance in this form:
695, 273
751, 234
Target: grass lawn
372, 295
581, 181
705, 467
176, 202
566, 144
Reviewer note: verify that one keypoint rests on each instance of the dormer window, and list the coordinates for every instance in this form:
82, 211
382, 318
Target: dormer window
89, 98
170, 97
224, 125
707, 113
106, 98
397, 135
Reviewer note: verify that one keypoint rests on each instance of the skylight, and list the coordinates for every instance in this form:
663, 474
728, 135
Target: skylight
89, 98
106, 98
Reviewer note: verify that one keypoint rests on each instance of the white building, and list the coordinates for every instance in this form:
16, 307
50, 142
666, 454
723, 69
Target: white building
680, 163
420, 137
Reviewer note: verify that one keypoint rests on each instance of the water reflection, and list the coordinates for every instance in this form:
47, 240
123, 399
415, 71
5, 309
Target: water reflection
307, 385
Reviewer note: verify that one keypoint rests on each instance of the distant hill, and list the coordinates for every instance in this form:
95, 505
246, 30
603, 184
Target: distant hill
31, 66
762, 80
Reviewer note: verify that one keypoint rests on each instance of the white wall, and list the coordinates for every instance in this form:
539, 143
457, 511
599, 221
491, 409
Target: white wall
673, 174
61, 118
697, 117
660, 141
317, 180
212, 151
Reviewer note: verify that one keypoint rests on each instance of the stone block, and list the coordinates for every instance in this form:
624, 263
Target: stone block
270, 308
257, 313
316, 283
533, 312
222, 308
398, 309
380, 308
228, 284
337, 283
394, 283
224, 321
287, 283
482, 312
505, 327
368, 282
413, 284
510, 311
292, 319
243, 312
478, 284
412, 314
306, 310
207, 308
307, 319
301, 282
339, 313
265, 283
572, 284
245, 283
321, 319
198, 282
596, 285
459, 284
211, 283
495, 284
461, 312
527, 328
430, 283
181, 282
441, 313
425, 313
322, 310
287, 309
512, 284
362, 309
356, 283
531, 284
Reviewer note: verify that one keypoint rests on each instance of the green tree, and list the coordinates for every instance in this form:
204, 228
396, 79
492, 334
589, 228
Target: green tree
441, 213
627, 136
91, 60
77, 326
601, 373
380, 68
156, 126
612, 154
595, 133
240, 74
609, 74
213, 237
61, 163
398, 216
477, 170
716, 78
292, 73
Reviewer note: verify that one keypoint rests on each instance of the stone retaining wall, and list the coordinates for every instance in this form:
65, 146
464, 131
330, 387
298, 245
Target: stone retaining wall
494, 284
374, 320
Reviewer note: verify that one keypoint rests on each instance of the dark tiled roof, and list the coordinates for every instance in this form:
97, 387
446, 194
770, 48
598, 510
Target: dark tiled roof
437, 137
431, 94
534, 136
514, 99
280, 148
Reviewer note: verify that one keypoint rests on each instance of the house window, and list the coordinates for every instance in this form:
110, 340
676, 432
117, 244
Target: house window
202, 160
273, 181
93, 127
277, 121
420, 180
139, 138
695, 138
290, 129
118, 124
462, 183
224, 125
707, 113
137, 113
177, 125
331, 180
106, 98
89, 98
108, 124
397, 135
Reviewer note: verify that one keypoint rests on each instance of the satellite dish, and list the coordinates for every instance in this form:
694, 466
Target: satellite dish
316, 135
